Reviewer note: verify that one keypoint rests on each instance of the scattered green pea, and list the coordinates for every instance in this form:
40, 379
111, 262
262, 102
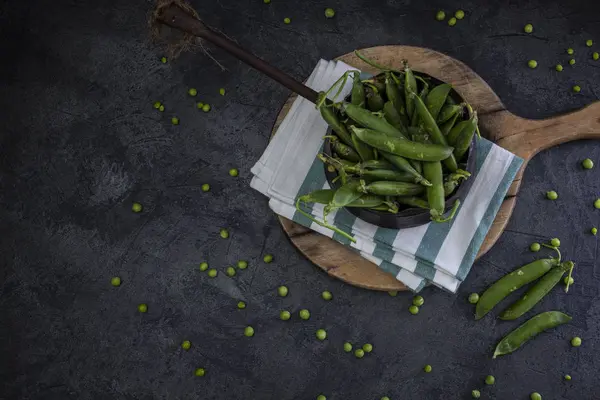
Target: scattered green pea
222, 91
475, 394
285, 315
200, 372
143, 308
576, 341
532, 64
414, 310
304, 314
242, 264
186, 345
595, 56
359, 353
136, 207
440, 15
393, 293
175, 121
576, 89
192, 92
528, 28
552, 195
212, 273
427, 368
161, 108
205, 187
594, 231
163, 60
459, 14
570, 51
587, 164
490, 380
268, 258
589, 42
535, 396
230, 271
572, 61
329, 13
569, 280
206, 107
266, 1
418, 301
287, 20
116, 281
321, 334
326, 295
330, 168
555, 242
567, 377
473, 298
233, 172
597, 203
367, 347
282, 291
385, 398
321, 397
241, 305
249, 331
535, 247
203, 266
347, 347
199, 105
452, 21
559, 67
224, 233
157, 105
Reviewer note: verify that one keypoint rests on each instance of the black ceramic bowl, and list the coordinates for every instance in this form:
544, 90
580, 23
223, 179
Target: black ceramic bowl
409, 217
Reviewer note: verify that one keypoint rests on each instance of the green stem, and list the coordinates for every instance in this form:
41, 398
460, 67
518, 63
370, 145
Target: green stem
470, 115
452, 213
569, 278
325, 225
553, 248
374, 64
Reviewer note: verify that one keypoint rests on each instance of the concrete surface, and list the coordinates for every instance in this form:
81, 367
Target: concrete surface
80, 142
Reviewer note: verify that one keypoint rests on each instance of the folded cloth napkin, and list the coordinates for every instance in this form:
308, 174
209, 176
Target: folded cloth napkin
435, 253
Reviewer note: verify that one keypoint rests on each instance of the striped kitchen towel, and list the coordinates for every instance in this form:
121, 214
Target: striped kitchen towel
436, 253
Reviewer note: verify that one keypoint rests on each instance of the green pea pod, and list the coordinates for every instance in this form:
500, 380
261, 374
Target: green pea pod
330, 116
449, 101
511, 282
530, 329
345, 152
536, 292
403, 147
448, 111
367, 201
386, 175
392, 116
412, 201
432, 171
358, 92
434, 131
393, 92
322, 223
465, 137
384, 188
376, 164
410, 86
447, 126
405, 165
436, 98
375, 101
452, 180
415, 116
368, 120
344, 195
364, 150
455, 132
321, 196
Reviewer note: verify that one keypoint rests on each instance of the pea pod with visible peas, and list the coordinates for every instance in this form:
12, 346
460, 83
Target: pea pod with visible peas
384, 188
540, 323
403, 147
432, 128
536, 292
513, 281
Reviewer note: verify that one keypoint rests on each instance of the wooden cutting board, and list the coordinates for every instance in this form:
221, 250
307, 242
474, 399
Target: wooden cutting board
523, 137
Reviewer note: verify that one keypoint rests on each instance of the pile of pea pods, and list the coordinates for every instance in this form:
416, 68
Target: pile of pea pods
398, 142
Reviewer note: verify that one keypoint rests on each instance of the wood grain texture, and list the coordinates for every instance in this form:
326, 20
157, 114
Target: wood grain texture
521, 136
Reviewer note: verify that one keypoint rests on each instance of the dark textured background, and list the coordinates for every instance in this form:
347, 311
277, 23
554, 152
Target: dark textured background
80, 142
